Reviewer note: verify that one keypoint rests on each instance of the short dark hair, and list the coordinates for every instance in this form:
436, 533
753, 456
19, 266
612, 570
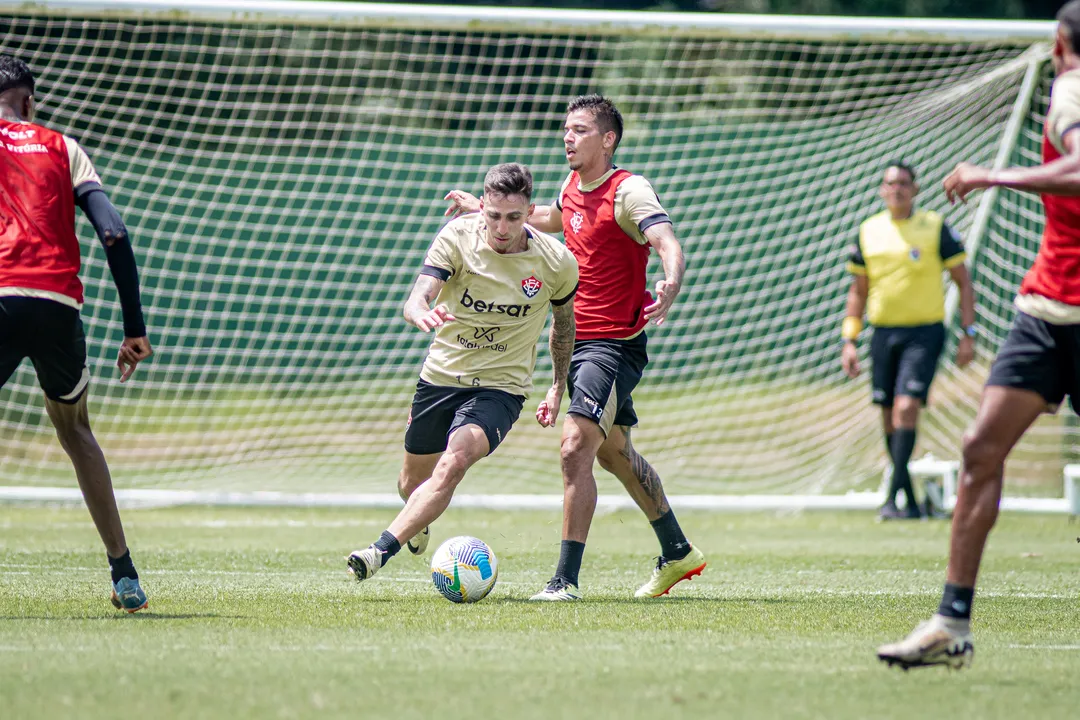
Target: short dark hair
607, 116
14, 73
1069, 19
900, 165
509, 179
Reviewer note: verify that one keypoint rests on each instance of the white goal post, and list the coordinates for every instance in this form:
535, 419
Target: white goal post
281, 166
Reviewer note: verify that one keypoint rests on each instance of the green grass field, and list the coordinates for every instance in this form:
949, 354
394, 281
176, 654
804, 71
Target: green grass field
253, 615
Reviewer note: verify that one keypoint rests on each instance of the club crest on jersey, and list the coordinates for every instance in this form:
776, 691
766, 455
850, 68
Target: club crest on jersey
530, 286
576, 222
914, 254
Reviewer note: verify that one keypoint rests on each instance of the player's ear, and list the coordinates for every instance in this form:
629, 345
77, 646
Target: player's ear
29, 108
532, 209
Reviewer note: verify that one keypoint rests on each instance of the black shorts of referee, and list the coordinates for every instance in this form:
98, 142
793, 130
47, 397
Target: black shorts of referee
904, 361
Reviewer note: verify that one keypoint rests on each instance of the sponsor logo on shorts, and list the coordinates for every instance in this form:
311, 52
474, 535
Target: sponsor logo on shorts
915, 386
577, 221
594, 407
530, 286
498, 434
408, 423
879, 395
468, 301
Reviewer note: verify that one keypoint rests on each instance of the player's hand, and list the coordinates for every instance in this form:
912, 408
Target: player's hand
965, 178
965, 351
132, 352
849, 360
461, 203
666, 292
437, 317
548, 411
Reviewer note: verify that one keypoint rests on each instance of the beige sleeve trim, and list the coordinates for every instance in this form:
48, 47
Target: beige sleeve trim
636, 200
82, 170
1064, 108
562, 189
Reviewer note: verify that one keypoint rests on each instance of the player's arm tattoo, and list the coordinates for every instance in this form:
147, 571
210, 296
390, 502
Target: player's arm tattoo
662, 237
424, 292
561, 340
644, 473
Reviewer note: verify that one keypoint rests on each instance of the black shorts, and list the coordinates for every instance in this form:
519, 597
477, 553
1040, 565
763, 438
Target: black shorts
438, 411
904, 361
51, 335
1041, 357
603, 373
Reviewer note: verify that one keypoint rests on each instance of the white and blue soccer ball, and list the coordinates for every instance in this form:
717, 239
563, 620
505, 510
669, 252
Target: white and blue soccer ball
464, 569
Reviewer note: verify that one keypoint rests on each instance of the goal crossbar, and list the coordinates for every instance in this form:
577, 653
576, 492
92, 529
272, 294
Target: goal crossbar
547, 21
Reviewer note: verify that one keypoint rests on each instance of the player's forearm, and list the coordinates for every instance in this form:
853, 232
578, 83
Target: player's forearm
1060, 177
115, 239
546, 218
561, 345
967, 303
424, 292
856, 301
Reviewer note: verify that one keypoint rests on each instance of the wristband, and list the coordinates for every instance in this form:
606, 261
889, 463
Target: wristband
851, 328
971, 331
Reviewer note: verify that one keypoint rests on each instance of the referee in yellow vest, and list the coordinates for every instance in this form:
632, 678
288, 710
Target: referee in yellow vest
898, 266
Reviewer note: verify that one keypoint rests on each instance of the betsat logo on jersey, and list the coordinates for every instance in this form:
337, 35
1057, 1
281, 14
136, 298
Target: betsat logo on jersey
531, 286
471, 303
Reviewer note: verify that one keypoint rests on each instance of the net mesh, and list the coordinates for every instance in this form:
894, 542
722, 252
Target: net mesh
283, 182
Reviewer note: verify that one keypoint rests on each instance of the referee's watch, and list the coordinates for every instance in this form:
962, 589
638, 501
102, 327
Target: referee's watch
971, 331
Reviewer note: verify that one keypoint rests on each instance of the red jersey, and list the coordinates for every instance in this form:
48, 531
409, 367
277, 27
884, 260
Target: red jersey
38, 246
1056, 272
611, 295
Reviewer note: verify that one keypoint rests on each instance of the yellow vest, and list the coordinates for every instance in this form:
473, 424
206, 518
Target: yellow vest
904, 261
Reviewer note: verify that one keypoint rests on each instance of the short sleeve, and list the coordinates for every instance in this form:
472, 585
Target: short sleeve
637, 207
856, 264
952, 249
444, 254
1064, 115
567, 279
82, 170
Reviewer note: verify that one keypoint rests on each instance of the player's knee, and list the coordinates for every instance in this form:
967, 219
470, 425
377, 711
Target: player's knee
575, 449
606, 459
981, 455
906, 411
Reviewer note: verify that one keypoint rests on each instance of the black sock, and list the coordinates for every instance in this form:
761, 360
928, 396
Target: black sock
956, 602
570, 560
388, 545
673, 544
903, 445
890, 499
122, 567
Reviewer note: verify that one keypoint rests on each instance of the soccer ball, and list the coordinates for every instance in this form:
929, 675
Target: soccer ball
464, 569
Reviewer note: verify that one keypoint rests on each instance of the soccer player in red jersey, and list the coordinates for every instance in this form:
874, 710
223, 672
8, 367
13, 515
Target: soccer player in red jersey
1036, 367
43, 176
610, 218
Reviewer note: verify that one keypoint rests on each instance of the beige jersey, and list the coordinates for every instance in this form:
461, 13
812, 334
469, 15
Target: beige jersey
499, 302
1064, 116
637, 206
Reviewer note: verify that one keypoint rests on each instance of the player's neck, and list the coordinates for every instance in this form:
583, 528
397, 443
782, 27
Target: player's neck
592, 174
902, 213
8, 113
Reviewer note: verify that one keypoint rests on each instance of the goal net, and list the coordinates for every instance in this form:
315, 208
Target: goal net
282, 175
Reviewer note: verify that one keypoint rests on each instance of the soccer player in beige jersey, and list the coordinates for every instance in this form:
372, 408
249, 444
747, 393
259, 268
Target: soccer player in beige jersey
492, 278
